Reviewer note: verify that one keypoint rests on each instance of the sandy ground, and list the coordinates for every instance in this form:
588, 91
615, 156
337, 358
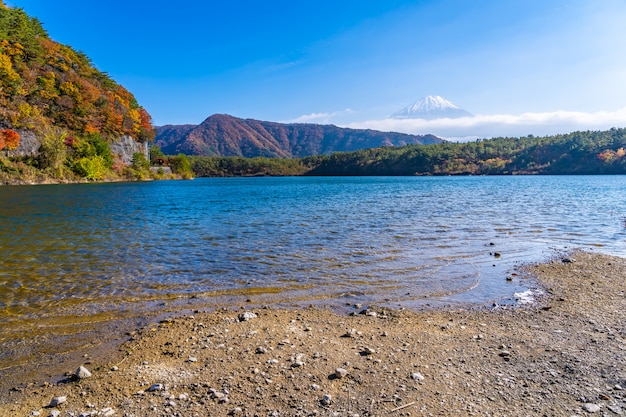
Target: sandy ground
563, 356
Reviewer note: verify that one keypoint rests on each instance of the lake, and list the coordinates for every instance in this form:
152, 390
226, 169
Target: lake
122, 248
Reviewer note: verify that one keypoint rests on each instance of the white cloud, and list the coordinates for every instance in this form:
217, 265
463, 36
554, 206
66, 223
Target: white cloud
488, 126
319, 117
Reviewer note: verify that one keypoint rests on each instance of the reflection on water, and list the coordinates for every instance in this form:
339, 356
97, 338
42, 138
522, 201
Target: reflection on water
90, 249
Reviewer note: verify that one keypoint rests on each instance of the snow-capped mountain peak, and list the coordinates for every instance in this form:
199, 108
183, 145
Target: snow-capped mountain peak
431, 107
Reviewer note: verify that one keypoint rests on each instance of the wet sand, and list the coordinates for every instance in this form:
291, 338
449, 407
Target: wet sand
563, 355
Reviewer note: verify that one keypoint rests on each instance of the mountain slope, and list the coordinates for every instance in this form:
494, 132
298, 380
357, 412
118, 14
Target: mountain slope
431, 108
44, 83
224, 135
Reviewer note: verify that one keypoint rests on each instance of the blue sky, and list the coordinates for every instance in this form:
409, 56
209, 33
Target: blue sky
520, 66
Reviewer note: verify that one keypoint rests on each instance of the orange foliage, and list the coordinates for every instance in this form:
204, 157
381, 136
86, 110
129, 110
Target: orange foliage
9, 139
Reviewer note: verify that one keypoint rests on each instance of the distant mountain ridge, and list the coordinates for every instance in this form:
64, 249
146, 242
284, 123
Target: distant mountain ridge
225, 135
431, 108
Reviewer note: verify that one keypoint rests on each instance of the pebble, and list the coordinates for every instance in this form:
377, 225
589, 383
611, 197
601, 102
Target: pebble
192, 359
248, 315
156, 387
417, 376
115, 368
55, 413
591, 408
107, 412
340, 373
82, 373
327, 399
235, 411
350, 333
368, 351
297, 364
57, 401
261, 350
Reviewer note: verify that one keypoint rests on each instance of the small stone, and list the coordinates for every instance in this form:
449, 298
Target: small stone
115, 368
417, 376
192, 359
368, 351
235, 411
326, 400
261, 350
156, 387
223, 400
55, 413
57, 401
591, 408
297, 364
349, 333
107, 412
248, 315
371, 313
567, 261
505, 353
618, 387
82, 373
315, 387
340, 373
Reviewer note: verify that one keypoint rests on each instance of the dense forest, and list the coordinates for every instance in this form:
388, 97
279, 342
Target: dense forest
590, 152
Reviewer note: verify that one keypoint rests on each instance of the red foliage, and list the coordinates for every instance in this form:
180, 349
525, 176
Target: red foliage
70, 141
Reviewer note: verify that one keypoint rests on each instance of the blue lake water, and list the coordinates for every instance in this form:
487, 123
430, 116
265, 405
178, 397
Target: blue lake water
398, 241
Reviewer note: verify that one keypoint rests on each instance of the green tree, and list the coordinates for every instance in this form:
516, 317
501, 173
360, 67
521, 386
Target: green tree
53, 150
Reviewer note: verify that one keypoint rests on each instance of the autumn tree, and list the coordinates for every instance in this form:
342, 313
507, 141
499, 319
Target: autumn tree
9, 139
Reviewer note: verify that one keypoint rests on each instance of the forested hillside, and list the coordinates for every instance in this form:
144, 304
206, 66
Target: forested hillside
575, 153
69, 112
225, 135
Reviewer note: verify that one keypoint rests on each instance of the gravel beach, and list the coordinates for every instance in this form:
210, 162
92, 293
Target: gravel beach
563, 355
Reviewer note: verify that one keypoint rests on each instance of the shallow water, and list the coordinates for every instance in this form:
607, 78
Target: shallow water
406, 241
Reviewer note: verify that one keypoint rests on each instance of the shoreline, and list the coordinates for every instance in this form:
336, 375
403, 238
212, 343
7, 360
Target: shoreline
563, 355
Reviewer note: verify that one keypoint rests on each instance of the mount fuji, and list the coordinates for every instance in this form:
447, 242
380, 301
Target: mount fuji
431, 108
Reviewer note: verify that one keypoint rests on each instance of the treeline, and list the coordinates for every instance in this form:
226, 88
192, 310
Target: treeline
236, 166
590, 152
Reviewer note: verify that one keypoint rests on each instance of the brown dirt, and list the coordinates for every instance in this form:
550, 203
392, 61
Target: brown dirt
563, 356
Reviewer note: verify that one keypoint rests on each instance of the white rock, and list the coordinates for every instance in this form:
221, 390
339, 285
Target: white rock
327, 399
58, 400
591, 408
417, 376
55, 413
192, 359
107, 412
82, 373
248, 315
